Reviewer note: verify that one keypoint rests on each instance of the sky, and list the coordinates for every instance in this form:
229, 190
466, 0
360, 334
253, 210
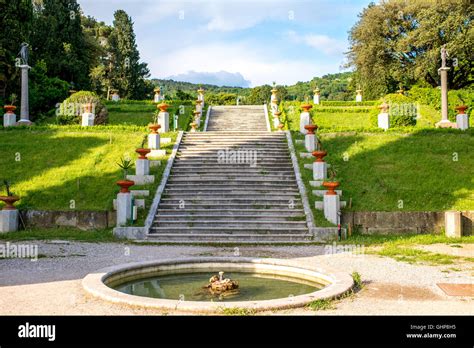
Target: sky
237, 42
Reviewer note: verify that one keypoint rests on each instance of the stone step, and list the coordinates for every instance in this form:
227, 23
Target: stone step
229, 194
233, 201
239, 239
227, 219
242, 159
209, 190
229, 229
174, 178
277, 185
170, 204
195, 212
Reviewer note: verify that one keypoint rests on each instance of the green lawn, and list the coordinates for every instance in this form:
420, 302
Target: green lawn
50, 167
428, 170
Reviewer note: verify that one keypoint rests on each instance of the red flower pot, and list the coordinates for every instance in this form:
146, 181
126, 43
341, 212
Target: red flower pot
319, 155
9, 108
281, 126
306, 107
9, 201
154, 128
311, 128
331, 186
142, 153
125, 185
278, 113
163, 107
461, 109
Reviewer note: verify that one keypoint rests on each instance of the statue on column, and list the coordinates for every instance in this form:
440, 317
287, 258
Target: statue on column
443, 56
24, 53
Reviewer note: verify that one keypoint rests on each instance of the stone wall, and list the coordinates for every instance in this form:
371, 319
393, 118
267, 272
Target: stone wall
403, 222
82, 220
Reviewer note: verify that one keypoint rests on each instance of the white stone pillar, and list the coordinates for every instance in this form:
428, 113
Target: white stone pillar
124, 208
332, 207
163, 118
444, 97
88, 119
305, 117
199, 106
316, 97
383, 118
320, 170
359, 95
453, 224
273, 96
276, 119
462, 119
157, 96
9, 118
310, 138
115, 97
142, 167
8, 220
154, 141
25, 104
201, 96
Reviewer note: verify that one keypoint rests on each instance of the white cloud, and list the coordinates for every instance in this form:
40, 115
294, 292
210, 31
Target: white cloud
323, 43
219, 78
255, 64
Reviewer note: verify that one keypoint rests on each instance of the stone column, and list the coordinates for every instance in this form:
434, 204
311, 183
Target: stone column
310, 138
332, 207
276, 119
88, 117
359, 95
462, 119
163, 118
8, 220
157, 96
197, 118
25, 104
154, 138
199, 105
383, 119
305, 117
317, 96
124, 208
142, 167
320, 168
201, 95
9, 118
444, 97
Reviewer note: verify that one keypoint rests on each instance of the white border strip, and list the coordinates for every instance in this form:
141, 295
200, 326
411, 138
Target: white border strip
265, 109
301, 187
208, 113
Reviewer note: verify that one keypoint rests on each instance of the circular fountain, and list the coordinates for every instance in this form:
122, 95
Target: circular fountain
198, 284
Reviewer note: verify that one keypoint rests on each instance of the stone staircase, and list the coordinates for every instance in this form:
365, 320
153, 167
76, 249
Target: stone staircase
211, 196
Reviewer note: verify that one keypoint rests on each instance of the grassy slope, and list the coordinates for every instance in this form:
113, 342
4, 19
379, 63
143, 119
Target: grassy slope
60, 164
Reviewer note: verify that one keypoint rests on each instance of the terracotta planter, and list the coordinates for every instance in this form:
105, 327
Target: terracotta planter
277, 114
142, 153
461, 109
331, 186
88, 107
311, 128
9, 201
125, 185
280, 127
9, 108
319, 155
163, 107
306, 107
154, 128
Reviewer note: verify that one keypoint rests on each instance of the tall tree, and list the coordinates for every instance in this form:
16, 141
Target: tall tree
398, 42
127, 74
16, 22
59, 41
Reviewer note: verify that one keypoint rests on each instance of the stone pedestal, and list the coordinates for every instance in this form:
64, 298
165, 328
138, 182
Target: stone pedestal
164, 122
9, 119
276, 122
332, 206
320, 170
153, 141
462, 121
88, 119
142, 167
316, 99
157, 98
359, 98
383, 120
453, 224
115, 97
124, 208
8, 221
310, 142
305, 118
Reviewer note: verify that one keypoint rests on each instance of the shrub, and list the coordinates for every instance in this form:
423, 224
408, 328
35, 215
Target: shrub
71, 109
221, 98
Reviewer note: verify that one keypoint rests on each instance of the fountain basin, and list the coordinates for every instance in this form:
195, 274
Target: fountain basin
325, 283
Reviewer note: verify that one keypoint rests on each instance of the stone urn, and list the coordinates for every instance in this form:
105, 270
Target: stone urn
319, 154
154, 128
9, 108
306, 107
142, 153
9, 202
461, 109
331, 187
163, 107
311, 128
280, 127
125, 185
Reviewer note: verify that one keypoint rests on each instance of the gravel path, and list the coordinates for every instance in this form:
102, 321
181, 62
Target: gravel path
52, 284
